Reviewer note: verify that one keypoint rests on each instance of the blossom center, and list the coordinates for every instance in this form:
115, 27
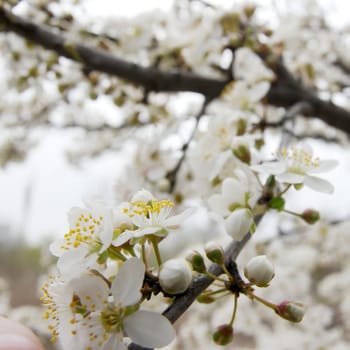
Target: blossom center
83, 231
298, 159
147, 209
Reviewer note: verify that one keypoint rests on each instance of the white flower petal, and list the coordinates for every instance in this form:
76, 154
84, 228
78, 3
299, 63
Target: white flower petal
259, 90
273, 168
318, 184
176, 220
123, 238
75, 262
216, 204
92, 290
149, 329
325, 165
290, 178
56, 247
126, 286
115, 342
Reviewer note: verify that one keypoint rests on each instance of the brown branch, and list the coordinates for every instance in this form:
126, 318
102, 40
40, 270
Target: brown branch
182, 302
285, 91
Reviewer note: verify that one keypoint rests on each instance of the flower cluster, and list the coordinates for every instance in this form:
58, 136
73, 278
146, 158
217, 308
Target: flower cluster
105, 274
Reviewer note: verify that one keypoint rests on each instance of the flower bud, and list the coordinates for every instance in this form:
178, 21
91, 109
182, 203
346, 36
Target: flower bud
259, 271
291, 311
223, 334
175, 276
242, 152
310, 216
197, 262
238, 223
214, 252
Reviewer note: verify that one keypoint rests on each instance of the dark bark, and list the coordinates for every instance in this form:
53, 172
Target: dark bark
285, 91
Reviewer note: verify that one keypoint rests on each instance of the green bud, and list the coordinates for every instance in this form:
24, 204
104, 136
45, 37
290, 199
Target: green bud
310, 216
270, 182
223, 334
277, 203
241, 126
197, 262
214, 252
242, 153
298, 186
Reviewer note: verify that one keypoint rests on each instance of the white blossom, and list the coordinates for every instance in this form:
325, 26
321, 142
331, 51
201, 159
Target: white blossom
294, 166
90, 234
151, 217
103, 315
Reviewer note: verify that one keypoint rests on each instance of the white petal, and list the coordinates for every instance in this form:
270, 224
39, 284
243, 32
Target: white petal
319, 184
325, 165
123, 238
115, 342
180, 218
229, 187
216, 204
126, 286
56, 247
306, 147
75, 262
273, 168
258, 91
149, 329
290, 178
92, 290
107, 232
146, 231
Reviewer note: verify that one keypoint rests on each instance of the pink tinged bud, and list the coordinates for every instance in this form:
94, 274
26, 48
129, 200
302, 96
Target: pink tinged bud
214, 252
291, 311
223, 335
239, 223
175, 276
310, 216
259, 271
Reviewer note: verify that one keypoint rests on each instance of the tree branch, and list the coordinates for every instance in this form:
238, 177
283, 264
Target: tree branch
182, 302
286, 91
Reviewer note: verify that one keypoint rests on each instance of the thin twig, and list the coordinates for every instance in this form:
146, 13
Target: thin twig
172, 175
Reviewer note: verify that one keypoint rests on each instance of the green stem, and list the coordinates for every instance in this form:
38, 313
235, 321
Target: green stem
292, 213
215, 278
234, 309
218, 291
223, 266
285, 190
157, 252
264, 302
143, 254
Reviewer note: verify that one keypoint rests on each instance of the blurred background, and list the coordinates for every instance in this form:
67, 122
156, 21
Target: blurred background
37, 191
